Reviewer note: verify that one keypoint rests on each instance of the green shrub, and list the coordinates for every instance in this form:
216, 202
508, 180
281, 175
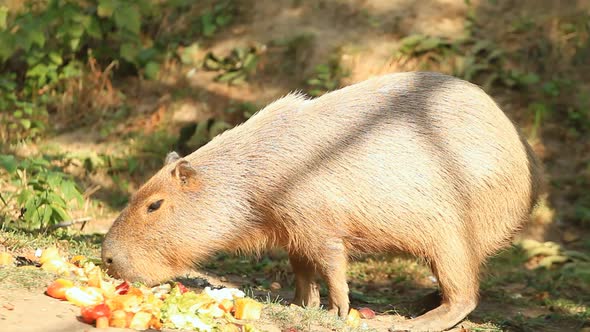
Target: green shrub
37, 194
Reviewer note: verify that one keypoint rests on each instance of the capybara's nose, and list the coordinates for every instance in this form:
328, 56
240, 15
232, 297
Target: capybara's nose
109, 266
108, 260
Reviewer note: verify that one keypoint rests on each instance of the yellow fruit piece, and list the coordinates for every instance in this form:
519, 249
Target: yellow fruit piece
102, 322
84, 296
78, 260
57, 266
247, 309
354, 318
124, 302
48, 254
140, 321
107, 288
118, 319
6, 259
226, 305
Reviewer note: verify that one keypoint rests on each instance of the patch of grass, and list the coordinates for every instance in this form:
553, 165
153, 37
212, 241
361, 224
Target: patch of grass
24, 277
304, 319
22, 242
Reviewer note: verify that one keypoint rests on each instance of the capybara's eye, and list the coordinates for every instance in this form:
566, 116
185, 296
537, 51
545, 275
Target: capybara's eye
155, 205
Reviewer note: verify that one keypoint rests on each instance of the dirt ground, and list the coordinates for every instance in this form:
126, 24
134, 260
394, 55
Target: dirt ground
365, 47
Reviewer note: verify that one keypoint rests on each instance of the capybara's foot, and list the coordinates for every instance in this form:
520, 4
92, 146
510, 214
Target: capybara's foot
307, 295
440, 319
307, 291
428, 302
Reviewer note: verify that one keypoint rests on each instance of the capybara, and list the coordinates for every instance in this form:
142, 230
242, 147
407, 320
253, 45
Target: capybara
418, 162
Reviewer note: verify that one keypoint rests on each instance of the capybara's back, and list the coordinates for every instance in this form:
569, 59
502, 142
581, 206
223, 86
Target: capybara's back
415, 162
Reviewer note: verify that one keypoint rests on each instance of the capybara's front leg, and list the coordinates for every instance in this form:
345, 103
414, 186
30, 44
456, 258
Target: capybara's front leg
332, 266
307, 291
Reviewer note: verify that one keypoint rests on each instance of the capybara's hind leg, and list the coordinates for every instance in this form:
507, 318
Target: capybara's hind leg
457, 273
307, 292
332, 266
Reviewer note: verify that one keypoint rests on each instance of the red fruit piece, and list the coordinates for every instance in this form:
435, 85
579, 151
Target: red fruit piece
182, 288
366, 313
123, 288
91, 313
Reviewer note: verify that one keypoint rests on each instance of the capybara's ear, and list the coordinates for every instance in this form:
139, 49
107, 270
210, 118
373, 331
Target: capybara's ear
171, 157
184, 171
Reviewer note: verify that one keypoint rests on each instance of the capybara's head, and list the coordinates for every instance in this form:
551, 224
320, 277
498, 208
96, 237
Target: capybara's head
167, 227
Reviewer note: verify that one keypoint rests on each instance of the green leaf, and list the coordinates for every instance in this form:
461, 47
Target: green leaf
3, 16
55, 58
146, 55
36, 37
228, 77
74, 43
106, 8
250, 62
70, 192
207, 24
39, 70
211, 64
61, 213
151, 70
128, 51
222, 20
26, 123
412, 40
55, 199
322, 69
47, 211
93, 29
54, 180
8, 162
314, 81
530, 78
188, 54
128, 18
428, 44
24, 196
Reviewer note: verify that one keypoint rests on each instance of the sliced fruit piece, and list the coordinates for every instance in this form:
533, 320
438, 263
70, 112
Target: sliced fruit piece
6, 259
366, 313
91, 313
119, 319
354, 318
84, 296
102, 323
124, 302
248, 309
122, 288
57, 266
182, 288
58, 288
48, 254
226, 305
141, 321
78, 260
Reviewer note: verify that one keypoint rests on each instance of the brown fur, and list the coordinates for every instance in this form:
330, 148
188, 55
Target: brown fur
415, 162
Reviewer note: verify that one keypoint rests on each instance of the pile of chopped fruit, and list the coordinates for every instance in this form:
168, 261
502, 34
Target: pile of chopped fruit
107, 302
